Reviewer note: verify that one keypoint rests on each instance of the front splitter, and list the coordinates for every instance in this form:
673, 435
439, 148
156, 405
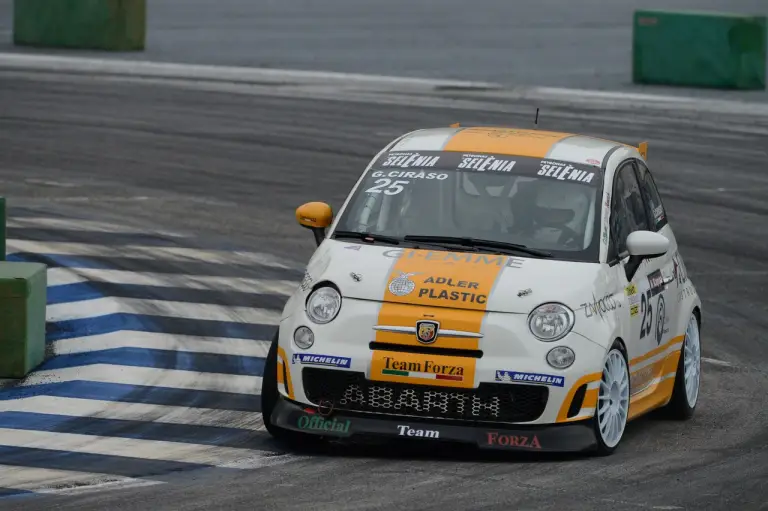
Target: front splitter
569, 437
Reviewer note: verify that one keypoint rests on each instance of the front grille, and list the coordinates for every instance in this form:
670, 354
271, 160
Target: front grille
495, 402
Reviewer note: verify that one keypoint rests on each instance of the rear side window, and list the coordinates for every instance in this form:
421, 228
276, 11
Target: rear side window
656, 211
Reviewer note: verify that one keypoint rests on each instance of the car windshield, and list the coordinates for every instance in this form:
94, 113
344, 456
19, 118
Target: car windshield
457, 200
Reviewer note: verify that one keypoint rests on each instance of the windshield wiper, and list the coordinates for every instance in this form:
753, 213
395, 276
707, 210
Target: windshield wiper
367, 236
480, 244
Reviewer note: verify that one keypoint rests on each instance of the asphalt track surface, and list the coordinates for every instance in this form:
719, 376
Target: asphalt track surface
562, 43
231, 168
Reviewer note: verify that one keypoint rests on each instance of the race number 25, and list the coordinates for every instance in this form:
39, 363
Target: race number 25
388, 186
646, 314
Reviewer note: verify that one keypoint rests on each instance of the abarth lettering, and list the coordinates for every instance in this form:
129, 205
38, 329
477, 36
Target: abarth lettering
425, 433
389, 399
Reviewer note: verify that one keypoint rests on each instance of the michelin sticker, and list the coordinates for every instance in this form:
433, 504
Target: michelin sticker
321, 360
542, 379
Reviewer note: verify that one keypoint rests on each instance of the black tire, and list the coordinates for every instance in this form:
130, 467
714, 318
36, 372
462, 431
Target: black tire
603, 449
269, 398
678, 407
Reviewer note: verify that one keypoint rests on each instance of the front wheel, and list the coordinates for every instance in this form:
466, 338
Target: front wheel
612, 410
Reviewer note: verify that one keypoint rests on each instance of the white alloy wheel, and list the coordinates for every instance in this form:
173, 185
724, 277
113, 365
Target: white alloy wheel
613, 399
692, 361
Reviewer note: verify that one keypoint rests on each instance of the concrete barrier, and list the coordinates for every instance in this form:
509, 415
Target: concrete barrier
694, 49
2, 229
116, 25
23, 298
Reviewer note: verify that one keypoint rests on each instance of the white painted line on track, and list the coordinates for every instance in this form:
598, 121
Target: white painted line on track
150, 376
129, 447
203, 312
72, 224
217, 73
162, 341
49, 480
81, 489
98, 409
60, 276
181, 254
343, 84
716, 362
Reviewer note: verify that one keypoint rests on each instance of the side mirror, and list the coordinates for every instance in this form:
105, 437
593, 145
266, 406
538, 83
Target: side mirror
316, 216
647, 244
644, 245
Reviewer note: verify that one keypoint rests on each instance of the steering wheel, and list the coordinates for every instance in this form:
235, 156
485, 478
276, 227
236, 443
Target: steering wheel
568, 237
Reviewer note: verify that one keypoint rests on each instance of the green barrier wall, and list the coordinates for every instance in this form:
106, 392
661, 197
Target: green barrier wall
699, 50
117, 25
22, 317
2, 229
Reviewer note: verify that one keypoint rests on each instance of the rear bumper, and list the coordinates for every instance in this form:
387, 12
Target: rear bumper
570, 437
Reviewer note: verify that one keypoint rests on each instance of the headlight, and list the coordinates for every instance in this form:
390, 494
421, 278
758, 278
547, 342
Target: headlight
323, 305
561, 357
550, 321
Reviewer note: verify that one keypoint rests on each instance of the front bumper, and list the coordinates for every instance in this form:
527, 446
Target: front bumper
569, 437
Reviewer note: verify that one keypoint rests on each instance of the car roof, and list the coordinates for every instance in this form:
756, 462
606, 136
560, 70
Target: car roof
569, 147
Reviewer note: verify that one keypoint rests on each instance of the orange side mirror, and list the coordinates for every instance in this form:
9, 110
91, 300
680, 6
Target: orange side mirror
316, 216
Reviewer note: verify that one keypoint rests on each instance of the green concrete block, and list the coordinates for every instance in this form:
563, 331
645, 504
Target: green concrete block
704, 50
2, 229
116, 25
23, 297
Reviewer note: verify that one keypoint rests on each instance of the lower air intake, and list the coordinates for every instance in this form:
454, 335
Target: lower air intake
492, 402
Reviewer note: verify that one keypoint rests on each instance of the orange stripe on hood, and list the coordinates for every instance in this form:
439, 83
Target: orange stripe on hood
532, 143
451, 288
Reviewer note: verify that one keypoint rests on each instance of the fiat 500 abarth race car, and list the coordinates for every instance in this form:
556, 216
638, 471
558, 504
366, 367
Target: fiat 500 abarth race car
512, 289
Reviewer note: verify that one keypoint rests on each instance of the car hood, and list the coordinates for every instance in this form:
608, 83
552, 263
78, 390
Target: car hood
459, 280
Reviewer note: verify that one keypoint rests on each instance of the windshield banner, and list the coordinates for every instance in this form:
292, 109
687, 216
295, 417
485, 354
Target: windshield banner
446, 161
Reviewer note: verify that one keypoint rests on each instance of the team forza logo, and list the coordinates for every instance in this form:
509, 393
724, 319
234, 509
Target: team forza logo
425, 370
485, 162
564, 172
496, 439
402, 285
421, 433
599, 307
410, 160
426, 331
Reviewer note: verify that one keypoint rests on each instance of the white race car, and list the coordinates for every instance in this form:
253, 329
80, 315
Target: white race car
512, 289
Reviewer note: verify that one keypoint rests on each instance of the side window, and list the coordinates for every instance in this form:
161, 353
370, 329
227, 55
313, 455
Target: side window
627, 208
656, 211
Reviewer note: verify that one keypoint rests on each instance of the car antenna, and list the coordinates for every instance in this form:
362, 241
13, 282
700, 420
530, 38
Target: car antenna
536, 121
